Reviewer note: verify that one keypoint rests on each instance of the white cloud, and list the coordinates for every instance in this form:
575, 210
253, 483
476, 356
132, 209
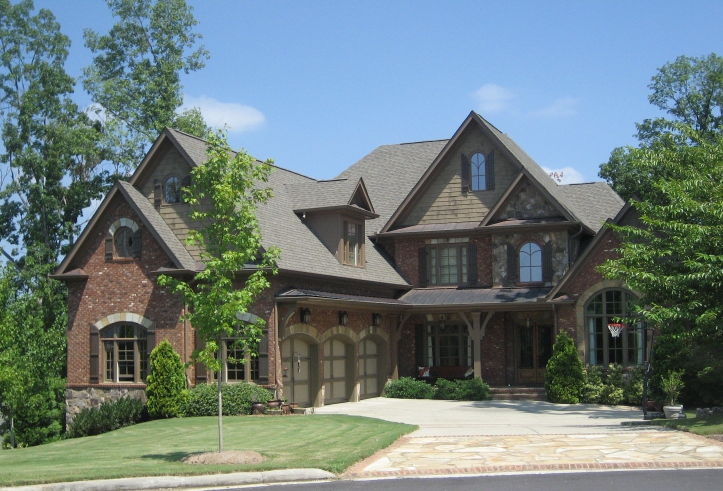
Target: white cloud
564, 107
492, 98
236, 117
569, 175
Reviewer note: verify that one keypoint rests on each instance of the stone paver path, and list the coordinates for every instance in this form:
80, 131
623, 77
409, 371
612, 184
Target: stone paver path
478, 454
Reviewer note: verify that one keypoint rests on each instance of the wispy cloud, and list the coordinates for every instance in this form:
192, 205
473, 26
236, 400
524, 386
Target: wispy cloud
492, 98
236, 117
564, 107
569, 175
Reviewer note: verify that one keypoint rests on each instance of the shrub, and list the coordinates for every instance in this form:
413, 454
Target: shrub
166, 383
593, 387
633, 390
408, 388
612, 393
461, 390
109, 416
564, 377
202, 400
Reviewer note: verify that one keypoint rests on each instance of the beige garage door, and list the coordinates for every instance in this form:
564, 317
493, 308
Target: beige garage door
369, 368
296, 365
335, 373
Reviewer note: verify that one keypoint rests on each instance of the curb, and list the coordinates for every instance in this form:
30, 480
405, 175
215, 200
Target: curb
139, 483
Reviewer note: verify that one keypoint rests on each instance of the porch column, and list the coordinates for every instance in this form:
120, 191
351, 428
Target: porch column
476, 344
395, 334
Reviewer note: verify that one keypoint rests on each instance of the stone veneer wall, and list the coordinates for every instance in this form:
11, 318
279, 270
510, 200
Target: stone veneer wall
77, 400
559, 254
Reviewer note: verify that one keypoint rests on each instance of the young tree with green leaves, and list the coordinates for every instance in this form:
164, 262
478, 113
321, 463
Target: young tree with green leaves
224, 195
135, 75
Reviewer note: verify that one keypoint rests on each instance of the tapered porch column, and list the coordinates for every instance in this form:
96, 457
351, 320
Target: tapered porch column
396, 333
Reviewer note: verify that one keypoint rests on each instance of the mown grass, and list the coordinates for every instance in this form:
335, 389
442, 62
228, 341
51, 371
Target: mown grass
700, 426
329, 442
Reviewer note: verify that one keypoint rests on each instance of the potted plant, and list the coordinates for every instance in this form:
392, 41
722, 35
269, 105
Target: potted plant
672, 385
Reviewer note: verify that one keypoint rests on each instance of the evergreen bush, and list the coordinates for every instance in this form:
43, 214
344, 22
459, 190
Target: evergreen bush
461, 390
612, 393
633, 390
166, 382
109, 416
408, 388
564, 377
593, 387
202, 400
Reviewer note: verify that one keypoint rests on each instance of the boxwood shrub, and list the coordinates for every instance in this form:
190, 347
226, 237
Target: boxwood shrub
202, 400
109, 416
461, 390
408, 388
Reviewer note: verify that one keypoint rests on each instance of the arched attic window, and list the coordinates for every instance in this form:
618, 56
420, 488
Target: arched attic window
123, 240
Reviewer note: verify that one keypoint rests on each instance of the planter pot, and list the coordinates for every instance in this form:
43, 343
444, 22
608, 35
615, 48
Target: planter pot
274, 404
672, 412
258, 408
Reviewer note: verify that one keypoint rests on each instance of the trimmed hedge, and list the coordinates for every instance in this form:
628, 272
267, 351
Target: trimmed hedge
408, 388
609, 386
455, 390
166, 384
202, 400
109, 416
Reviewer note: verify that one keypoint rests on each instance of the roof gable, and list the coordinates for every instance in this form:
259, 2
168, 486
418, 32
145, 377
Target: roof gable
327, 195
523, 200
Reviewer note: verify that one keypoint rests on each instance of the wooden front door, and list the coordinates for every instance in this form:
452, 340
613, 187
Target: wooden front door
534, 344
296, 365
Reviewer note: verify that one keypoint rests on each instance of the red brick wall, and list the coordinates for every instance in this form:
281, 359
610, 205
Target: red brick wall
588, 275
121, 285
484, 259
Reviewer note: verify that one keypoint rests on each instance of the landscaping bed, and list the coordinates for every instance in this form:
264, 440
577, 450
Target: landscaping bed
155, 448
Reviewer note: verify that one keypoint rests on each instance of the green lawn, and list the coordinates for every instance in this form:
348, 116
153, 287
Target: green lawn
329, 442
707, 426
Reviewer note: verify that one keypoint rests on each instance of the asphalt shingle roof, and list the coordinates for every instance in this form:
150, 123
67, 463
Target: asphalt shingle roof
594, 202
321, 194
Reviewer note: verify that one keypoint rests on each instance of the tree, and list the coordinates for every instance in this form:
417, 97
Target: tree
224, 196
675, 258
135, 76
166, 384
564, 376
690, 91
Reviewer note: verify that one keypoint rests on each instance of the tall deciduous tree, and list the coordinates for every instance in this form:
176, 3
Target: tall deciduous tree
135, 76
224, 196
690, 91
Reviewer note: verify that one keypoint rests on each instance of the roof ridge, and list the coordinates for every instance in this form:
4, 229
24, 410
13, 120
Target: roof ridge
415, 143
187, 134
583, 183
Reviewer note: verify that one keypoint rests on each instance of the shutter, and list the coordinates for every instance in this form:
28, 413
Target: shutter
137, 242
264, 358
466, 173
185, 184
547, 262
490, 170
157, 193
94, 356
419, 348
150, 341
200, 367
472, 264
513, 272
423, 273
108, 246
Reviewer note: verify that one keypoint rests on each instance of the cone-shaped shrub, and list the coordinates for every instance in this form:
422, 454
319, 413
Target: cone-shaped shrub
564, 377
166, 384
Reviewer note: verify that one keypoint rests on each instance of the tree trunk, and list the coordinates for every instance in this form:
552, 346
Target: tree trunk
219, 377
12, 429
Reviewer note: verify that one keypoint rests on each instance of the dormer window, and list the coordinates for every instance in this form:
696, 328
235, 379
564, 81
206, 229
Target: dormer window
172, 190
353, 233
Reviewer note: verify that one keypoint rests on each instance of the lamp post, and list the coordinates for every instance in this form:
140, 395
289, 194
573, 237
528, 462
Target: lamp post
615, 330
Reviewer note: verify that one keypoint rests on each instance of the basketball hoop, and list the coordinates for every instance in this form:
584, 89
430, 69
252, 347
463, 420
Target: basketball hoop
616, 329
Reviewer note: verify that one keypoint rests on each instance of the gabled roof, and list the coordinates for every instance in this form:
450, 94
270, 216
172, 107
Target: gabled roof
593, 202
331, 194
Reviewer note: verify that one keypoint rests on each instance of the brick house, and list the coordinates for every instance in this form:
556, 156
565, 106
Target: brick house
462, 256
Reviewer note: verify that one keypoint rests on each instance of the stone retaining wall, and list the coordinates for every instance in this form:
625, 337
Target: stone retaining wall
77, 400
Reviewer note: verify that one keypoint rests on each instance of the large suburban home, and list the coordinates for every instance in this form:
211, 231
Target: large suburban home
446, 258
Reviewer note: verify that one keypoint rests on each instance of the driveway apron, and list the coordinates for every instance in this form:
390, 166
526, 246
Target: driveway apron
513, 436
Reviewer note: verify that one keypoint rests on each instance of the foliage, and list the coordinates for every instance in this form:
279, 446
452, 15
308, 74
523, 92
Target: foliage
461, 390
134, 78
612, 391
690, 91
166, 383
592, 390
610, 386
408, 388
237, 399
633, 389
224, 196
109, 416
564, 378
672, 385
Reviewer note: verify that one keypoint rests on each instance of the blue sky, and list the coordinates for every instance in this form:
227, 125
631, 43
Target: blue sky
317, 85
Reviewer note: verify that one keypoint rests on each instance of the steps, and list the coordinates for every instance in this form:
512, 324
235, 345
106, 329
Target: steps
518, 393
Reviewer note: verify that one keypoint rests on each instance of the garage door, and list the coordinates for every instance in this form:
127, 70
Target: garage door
296, 365
368, 369
335, 376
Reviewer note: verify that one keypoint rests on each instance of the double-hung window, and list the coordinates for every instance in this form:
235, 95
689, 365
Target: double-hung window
448, 261
448, 345
353, 240
125, 353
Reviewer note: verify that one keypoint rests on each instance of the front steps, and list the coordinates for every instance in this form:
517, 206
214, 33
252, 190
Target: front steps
518, 394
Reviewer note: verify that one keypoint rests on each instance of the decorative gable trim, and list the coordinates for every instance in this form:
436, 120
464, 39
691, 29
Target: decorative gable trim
361, 191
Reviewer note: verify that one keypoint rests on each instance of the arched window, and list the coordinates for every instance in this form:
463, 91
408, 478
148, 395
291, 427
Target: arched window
125, 353
123, 238
479, 181
172, 190
606, 308
530, 263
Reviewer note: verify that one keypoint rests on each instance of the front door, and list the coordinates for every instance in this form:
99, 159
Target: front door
296, 365
534, 350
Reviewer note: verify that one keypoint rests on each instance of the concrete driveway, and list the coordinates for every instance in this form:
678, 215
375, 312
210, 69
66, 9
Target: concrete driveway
453, 418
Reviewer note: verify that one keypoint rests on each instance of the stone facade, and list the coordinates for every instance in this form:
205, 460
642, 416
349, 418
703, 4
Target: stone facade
527, 203
77, 400
560, 260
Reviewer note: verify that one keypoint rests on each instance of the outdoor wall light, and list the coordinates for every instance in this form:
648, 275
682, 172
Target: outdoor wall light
343, 318
376, 320
305, 316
